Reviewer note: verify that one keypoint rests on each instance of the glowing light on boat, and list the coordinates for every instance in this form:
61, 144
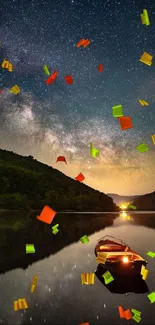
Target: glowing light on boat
125, 259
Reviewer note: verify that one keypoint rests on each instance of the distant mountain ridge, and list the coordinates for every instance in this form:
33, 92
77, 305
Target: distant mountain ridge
145, 202
119, 199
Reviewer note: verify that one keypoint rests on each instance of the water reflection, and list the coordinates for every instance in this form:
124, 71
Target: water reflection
59, 297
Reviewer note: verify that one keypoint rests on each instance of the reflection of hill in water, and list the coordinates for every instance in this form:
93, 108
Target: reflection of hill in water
145, 220
14, 235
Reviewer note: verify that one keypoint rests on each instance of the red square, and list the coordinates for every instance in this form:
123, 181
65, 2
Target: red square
125, 122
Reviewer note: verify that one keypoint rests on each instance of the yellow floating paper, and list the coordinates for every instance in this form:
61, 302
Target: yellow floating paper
143, 102
6, 65
87, 278
101, 258
34, 283
144, 272
20, 304
153, 138
145, 18
146, 58
15, 89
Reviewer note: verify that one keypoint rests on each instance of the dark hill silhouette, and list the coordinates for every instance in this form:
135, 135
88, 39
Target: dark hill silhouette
145, 202
28, 184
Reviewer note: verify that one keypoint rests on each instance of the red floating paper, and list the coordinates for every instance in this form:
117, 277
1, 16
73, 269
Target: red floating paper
125, 122
83, 42
124, 313
51, 79
100, 67
80, 177
47, 215
69, 80
1, 91
61, 158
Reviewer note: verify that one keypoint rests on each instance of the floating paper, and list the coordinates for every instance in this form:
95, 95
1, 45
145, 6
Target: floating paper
146, 58
34, 283
61, 158
145, 18
100, 67
101, 258
131, 206
151, 297
151, 254
87, 278
55, 229
142, 147
84, 239
51, 79
80, 177
15, 89
84, 324
20, 304
69, 80
30, 248
94, 152
83, 42
124, 313
153, 138
46, 70
117, 111
108, 278
143, 102
135, 311
6, 65
144, 272
125, 122
47, 215
1, 91
136, 318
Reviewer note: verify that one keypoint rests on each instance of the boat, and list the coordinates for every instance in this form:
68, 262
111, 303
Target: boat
117, 257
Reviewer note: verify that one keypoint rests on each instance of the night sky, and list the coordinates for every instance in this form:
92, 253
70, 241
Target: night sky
47, 121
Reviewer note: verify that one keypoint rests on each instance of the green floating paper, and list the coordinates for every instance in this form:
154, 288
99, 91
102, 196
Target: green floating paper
55, 229
131, 206
46, 70
151, 297
84, 239
151, 254
135, 311
142, 147
30, 248
117, 111
137, 318
107, 277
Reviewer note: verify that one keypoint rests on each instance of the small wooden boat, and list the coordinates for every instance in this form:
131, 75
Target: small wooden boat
113, 254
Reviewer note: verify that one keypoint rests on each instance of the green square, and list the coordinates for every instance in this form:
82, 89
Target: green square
107, 277
151, 297
131, 206
84, 239
142, 147
30, 248
137, 318
117, 111
151, 254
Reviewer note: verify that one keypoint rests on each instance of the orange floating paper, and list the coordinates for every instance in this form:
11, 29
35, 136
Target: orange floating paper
100, 67
125, 122
51, 79
84, 324
101, 258
143, 102
124, 313
6, 65
80, 177
69, 80
153, 138
20, 304
83, 42
47, 215
34, 283
61, 158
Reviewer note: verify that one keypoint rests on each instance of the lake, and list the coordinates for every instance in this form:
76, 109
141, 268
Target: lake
60, 298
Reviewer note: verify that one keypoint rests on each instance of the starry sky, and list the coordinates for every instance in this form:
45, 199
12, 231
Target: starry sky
47, 121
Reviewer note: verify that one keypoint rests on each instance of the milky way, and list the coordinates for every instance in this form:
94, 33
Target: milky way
59, 119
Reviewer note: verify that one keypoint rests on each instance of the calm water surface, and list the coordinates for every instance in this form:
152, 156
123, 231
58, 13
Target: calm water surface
61, 299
